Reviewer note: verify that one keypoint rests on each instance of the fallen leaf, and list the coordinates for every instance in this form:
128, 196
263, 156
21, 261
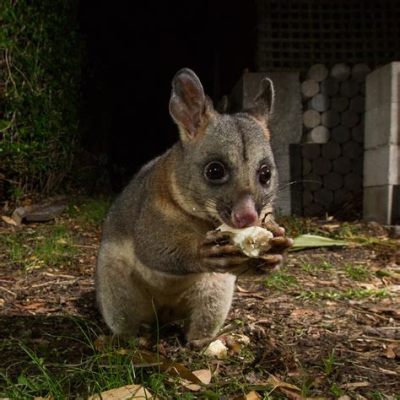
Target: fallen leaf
204, 375
8, 220
252, 396
308, 241
388, 371
392, 350
102, 342
330, 227
144, 358
128, 392
292, 392
307, 314
393, 288
235, 342
355, 385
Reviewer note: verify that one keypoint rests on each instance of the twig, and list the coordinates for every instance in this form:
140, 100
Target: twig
8, 291
85, 246
59, 275
71, 282
249, 294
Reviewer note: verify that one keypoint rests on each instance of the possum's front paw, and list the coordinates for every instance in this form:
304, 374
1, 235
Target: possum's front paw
219, 253
279, 245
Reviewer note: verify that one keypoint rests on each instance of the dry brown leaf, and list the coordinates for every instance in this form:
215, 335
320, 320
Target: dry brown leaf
392, 350
330, 227
128, 392
387, 371
144, 358
102, 342
235, 342
311, 316
8, 220
393, 288
204, 375
355, 385
277, 383
292, 392
252, 396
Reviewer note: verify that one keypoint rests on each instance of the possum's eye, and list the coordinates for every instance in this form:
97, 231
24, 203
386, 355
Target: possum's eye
216, 172
264, 175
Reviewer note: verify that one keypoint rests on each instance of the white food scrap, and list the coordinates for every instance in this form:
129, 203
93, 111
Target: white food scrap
250, 240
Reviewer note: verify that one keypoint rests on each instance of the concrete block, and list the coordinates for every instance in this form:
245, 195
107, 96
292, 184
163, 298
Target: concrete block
286, 121
382, 144
381, 166
378, 204
382, 125
382, 86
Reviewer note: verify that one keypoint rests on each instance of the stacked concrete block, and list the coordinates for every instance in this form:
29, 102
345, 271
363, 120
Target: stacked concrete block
382, 145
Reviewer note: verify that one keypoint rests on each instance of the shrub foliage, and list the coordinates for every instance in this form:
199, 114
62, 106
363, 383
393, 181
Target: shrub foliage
39, 93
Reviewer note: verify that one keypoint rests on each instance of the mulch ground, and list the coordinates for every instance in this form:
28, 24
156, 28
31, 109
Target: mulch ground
317, 326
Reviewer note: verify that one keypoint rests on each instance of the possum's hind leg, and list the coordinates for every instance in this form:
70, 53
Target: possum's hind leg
209, 300
123, 303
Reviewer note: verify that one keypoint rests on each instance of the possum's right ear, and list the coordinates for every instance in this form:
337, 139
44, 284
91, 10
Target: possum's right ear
189, 107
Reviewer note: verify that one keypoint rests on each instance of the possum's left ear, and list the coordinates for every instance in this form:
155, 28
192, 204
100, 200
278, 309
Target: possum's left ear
264, 101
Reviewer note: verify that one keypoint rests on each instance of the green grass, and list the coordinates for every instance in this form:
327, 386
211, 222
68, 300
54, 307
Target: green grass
336, 390
330, 363
90, 211
316, 267
54, 246
280, 281
98, 370
357, 273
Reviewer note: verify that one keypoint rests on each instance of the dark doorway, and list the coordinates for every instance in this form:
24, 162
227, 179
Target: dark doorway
132, 51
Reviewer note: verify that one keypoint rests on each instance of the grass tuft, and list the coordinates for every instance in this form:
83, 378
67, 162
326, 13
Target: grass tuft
280, 281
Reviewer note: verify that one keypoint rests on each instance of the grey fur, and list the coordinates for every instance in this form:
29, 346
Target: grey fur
150, 256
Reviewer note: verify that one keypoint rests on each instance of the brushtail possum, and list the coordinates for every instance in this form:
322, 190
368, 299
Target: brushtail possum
161, 254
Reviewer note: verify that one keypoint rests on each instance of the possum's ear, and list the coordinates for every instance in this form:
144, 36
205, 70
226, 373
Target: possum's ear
264, 101
189, 107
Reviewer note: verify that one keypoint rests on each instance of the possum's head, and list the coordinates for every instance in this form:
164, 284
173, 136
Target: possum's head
226, 172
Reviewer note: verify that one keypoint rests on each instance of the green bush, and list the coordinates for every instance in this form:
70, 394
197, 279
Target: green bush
39, 93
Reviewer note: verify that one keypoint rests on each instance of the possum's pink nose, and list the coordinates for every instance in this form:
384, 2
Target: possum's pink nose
244, 212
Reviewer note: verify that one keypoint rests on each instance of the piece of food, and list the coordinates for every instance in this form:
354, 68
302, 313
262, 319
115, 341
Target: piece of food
251, 240
216, 349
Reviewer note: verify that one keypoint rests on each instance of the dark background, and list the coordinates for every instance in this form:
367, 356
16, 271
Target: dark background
132, 51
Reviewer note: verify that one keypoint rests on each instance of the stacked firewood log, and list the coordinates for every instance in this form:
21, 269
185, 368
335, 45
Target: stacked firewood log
332, 149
